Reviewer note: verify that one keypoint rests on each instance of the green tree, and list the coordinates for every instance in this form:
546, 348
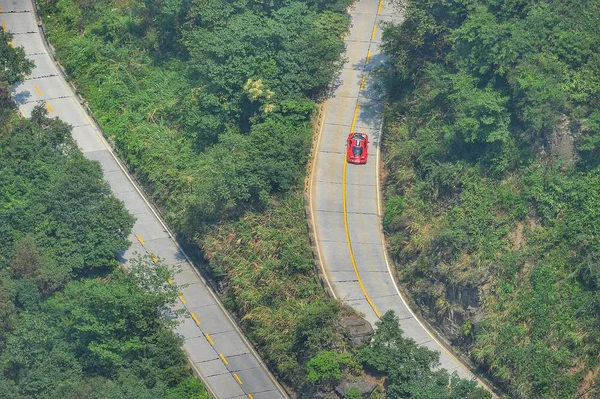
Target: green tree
353, 393
325, 367
409, 368
63, 334
13, 63
27, 259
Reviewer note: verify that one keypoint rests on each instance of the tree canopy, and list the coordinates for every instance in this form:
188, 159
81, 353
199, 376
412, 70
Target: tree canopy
194, 93
411, 370
13, 63
72, 324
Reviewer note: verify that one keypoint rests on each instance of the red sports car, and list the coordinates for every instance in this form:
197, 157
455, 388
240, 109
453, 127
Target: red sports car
358, 148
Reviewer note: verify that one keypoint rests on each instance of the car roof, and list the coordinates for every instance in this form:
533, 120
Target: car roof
361, 143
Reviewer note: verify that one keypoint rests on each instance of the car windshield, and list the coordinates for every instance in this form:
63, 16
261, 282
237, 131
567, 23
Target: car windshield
357, 151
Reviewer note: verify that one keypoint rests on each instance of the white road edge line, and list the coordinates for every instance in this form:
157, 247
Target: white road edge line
310, 201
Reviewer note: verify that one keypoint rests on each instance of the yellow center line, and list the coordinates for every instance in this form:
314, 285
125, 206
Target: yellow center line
140, 239
344, 191
250, 396
49, 108
360, 282
374, 32
37, 89
208, 337
362, 82
356, 109
223, 358
182, 299
170, 281
238, 378
4, 25
0, 9
154, 258
11, 44
195, 318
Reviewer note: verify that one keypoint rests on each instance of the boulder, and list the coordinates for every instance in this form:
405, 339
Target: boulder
325, 395
357, 329
365, 387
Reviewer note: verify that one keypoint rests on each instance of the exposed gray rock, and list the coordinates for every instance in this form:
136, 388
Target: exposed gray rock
325, 395
365, 387
357, 329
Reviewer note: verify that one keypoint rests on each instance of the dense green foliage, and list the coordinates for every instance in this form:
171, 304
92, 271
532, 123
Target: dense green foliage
64, 333
210, 104
50, 191
409, 368
195, 93
72, 325
13, 63
491, 148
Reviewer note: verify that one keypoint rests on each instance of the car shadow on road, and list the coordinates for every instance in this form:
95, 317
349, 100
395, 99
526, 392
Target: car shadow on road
372, 98
337, 82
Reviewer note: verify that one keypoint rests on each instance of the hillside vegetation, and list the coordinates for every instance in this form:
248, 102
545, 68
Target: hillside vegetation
72, 324
492, 185
210, 103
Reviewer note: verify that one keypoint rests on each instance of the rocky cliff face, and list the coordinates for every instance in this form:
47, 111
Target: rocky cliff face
464, 313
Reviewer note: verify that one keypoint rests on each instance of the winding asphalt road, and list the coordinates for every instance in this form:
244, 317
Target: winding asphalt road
215, 346
344, 199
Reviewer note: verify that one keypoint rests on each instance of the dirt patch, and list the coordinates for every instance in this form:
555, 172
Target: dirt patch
588, 389
562, 142
516, 236
533, 224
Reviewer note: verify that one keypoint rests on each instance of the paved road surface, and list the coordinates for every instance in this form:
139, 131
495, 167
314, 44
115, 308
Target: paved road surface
213, 343
345, 198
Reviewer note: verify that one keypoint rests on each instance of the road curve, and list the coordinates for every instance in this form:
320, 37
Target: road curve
215, 346
344, 199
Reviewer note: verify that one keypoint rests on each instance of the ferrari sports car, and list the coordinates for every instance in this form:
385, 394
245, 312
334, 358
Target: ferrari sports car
358, 148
